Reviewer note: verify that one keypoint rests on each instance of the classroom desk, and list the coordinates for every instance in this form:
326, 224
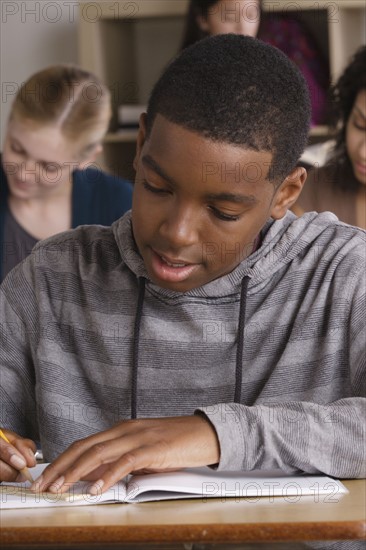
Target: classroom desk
182, 521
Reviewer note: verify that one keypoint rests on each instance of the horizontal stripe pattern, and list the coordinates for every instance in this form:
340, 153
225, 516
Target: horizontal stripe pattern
67, 338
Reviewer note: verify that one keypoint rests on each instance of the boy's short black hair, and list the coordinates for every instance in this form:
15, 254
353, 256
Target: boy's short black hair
236, 89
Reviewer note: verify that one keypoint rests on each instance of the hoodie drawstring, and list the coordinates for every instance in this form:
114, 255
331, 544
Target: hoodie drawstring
239, 350
240, 346
136, 340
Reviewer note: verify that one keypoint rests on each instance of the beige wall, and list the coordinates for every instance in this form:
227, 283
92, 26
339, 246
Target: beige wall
33, 34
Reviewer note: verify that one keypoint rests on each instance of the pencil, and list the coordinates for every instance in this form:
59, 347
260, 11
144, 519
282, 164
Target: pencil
26, 473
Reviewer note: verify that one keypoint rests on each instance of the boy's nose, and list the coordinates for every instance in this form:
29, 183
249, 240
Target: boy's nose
180, 228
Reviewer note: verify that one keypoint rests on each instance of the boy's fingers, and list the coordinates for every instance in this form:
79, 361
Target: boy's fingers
14, 456
65, 470
87, 455
80, 459
27, 448
156, 444
129, 462
109, 474
96, 459
7, 473
11, 456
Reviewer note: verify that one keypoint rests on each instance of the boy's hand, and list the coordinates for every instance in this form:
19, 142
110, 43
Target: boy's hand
154, 445
15, 456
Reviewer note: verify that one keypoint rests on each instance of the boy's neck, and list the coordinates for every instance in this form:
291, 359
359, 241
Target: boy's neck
257, 243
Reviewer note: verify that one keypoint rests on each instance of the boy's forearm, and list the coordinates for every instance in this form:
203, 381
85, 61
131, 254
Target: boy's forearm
293, 436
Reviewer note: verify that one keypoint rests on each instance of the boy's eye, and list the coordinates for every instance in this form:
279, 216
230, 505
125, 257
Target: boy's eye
223, 216
153, 189
361, 127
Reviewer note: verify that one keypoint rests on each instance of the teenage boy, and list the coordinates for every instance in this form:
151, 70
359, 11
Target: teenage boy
230, 331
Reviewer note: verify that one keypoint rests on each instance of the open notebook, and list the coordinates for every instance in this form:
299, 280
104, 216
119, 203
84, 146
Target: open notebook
190, 483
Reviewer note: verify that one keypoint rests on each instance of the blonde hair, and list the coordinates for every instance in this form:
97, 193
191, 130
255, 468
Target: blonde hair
74, 100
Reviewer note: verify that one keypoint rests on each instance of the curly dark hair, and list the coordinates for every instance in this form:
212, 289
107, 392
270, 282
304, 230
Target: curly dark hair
237, 89
343, 95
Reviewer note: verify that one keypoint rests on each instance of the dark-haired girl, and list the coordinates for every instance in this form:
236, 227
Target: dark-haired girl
340, 185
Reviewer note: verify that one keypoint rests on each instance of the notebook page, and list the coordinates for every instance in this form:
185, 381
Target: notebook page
18, 495
207, 483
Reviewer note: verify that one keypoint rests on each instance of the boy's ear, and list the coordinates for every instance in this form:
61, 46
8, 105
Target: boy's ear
288, 192
91, 156
141, 137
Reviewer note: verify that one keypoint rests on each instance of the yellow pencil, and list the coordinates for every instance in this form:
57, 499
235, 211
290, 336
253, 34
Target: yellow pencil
26, 473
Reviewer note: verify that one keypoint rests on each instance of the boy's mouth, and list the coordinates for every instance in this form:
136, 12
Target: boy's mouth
173, 264
171, 269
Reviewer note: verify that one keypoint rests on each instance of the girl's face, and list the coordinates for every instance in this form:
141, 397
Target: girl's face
38, 160
356, 137
232, 16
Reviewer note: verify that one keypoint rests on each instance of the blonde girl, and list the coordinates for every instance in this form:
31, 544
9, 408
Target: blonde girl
49, 180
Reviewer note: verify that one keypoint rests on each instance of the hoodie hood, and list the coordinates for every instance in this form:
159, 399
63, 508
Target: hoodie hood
282, 241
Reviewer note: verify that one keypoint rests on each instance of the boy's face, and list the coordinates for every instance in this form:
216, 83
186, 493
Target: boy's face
198, 206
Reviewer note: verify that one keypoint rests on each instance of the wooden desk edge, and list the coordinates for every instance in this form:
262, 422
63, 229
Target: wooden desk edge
209, 533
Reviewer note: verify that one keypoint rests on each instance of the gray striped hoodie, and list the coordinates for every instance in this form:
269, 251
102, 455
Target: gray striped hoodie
273, 353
